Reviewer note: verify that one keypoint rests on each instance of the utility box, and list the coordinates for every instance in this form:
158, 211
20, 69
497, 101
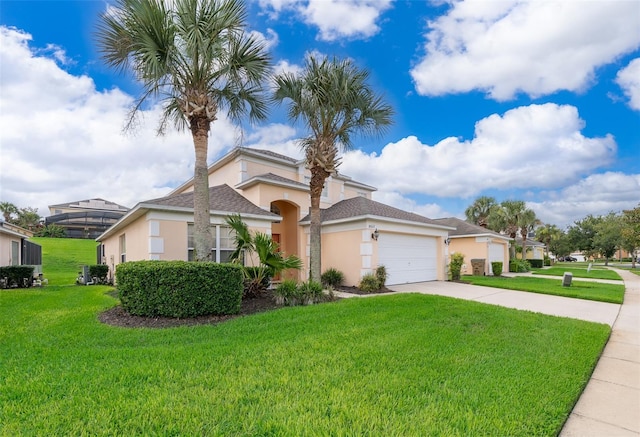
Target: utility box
477, 266
566, 279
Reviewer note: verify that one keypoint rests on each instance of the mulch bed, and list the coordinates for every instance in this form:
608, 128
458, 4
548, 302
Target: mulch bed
118, 316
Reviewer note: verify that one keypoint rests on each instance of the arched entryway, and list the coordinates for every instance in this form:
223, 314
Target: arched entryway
285, 232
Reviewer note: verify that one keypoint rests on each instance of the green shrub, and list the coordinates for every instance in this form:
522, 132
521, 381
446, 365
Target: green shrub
52, 231
519, 266
547, 261
310, 292
99, 272
286, 292
291, 293
496, 268
256, 280
369, 283
17, 276
381, 275
332, 278
179, 288
455, 266
536, 263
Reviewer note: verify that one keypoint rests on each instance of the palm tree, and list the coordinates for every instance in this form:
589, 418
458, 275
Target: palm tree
333, 101
271, 260
527, 221
546, 234
195, 57
478, 212
506, 219
7, 209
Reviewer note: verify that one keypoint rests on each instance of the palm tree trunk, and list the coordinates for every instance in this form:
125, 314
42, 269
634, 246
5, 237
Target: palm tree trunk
318, 177
202, 239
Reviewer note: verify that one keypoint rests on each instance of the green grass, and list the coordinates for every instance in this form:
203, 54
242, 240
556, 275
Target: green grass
394, 365
63, 258
579, 272
612, 293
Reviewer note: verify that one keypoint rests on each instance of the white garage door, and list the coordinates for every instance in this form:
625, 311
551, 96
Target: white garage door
496, 253
408, 258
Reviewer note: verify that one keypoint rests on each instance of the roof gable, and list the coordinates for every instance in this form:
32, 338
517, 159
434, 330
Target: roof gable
464, 228
361, 206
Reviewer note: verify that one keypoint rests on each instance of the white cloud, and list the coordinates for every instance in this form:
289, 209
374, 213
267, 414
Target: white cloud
270, 40
536, 146
533, 47
629, 80
397, 200
597, 194
62, 139
330, 16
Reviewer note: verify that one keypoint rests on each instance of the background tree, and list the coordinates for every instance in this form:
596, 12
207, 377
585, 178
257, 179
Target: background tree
28, 218
8, 209
333, 101
195, 57
608, 236
631, 232
546, 234
560, 245
479, 211
582, 233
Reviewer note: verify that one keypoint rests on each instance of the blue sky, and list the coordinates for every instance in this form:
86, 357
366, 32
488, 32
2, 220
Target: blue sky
535, 101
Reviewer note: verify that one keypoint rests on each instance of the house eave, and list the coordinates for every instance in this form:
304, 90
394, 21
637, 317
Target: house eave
380, 219
260, 180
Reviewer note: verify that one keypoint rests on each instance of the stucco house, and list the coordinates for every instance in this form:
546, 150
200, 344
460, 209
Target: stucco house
271, 193
535, 249
477, 242
16, 249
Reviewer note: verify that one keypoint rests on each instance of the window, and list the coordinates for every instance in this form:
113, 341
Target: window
223, 243
15, 253
123, 248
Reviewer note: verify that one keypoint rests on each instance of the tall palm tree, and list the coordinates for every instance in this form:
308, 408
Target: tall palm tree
506, 219
332, 99
478, 212
527, 221
546, 234
196, 58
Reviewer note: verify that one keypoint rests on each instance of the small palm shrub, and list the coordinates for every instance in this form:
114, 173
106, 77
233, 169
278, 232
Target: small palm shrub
369, 283
519, 266
547, 261
332, 278
381, 276
496, 268
291, 293
455, 266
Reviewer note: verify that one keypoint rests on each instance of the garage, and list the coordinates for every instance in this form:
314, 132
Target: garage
497, 253
408, 258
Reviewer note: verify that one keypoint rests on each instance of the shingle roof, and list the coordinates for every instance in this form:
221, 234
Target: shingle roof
221, 198
272, 154
274, 178
465, 228
361, 206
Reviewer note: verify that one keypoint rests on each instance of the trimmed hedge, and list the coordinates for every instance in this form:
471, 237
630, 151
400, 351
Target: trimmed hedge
536, 263
496, 268
99, 271
17, 275
179, 288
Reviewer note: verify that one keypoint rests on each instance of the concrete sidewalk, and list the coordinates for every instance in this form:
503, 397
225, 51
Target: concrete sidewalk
610, 404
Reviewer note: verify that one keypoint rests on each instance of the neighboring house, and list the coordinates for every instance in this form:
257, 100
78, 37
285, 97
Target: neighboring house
85, 218
477, 242
16, 249
271, 192
535, 249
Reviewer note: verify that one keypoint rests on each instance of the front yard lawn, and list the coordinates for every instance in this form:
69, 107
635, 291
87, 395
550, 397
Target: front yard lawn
392, 365
598, 291
579, 273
